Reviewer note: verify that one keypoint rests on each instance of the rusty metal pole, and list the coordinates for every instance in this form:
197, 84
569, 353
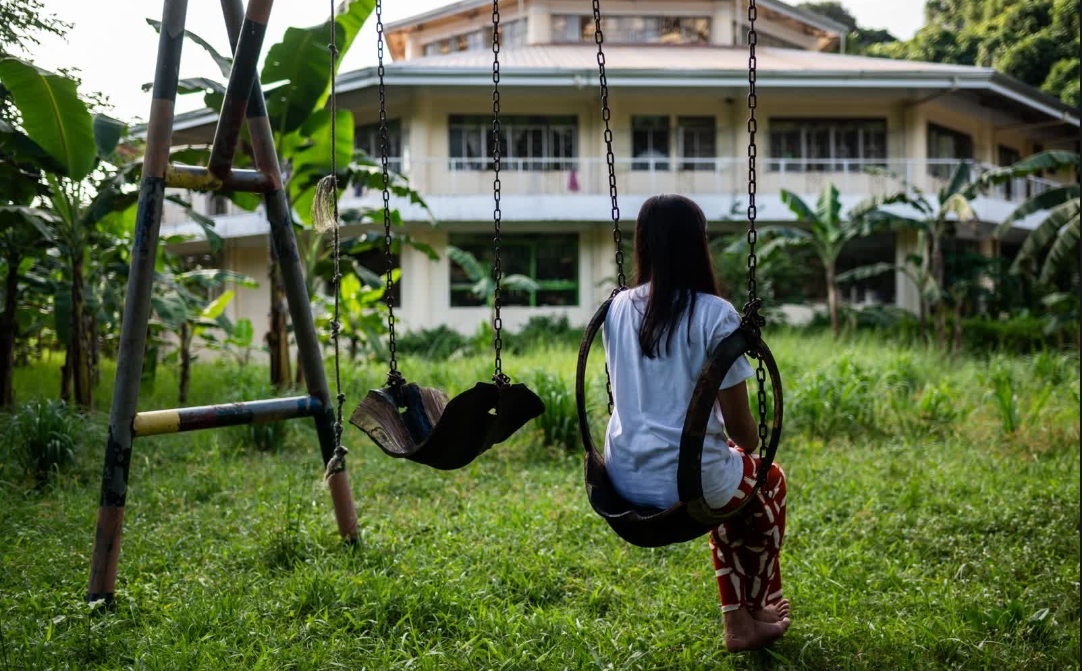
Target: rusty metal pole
133, 331
285, 246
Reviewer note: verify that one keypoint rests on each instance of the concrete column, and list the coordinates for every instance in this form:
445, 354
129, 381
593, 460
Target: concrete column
414, 48
906, 294
538, 23
721, 23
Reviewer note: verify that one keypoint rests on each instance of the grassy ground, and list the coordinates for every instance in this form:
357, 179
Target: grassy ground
933, 523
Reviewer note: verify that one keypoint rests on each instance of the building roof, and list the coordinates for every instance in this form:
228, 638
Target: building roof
667, 66
810, 18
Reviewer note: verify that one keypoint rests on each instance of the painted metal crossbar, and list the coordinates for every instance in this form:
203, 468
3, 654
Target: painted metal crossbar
180, 420
243, 100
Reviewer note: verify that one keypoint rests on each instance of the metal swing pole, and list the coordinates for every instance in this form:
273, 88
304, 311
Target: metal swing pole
243, 93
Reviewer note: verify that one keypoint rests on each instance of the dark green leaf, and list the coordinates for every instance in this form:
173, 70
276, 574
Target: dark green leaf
107, 134
53, 115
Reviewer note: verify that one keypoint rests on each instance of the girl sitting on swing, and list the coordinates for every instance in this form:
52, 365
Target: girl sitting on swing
658, 336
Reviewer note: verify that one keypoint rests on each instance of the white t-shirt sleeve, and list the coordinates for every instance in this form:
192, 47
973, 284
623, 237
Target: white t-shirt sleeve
724, 320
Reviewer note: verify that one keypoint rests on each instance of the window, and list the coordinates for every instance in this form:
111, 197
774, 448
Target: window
219, 205
1008, 156
366, 139
767, 40
827, 144
944, 143
513, 34
696, 138
551, 260
367, 252
633, 29
535, 143
650, 142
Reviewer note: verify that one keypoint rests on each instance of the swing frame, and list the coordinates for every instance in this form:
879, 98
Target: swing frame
243, 102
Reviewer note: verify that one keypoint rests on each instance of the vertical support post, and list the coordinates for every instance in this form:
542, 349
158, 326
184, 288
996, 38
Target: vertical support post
285, 246
114, 482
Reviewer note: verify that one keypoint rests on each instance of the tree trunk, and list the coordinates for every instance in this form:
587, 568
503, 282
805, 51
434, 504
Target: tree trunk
937, 276
278, 334
7, 334
65, 376
80, 359
95, 349
832, 299
185, 361
923, 320
957, 347
300, 373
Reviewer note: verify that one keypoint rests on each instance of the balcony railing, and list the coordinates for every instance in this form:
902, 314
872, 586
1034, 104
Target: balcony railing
691, 176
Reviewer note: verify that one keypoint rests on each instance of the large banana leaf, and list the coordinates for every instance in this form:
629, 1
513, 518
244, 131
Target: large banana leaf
311, 159
1042, 201
797, 206
1045, 161
300, 65
1064, 250
1047, 231
828, 207
53, 115
107, 134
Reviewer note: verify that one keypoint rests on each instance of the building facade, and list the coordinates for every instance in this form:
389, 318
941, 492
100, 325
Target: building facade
677, 73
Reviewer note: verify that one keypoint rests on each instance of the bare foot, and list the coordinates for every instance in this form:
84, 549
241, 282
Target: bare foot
775, 612
744, 632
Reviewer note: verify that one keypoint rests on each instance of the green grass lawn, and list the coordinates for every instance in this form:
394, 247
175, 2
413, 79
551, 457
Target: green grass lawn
933, 524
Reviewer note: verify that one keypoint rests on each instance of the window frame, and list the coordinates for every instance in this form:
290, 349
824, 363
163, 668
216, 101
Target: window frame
700, 128
865, 127
513, 156
624, 28
640, 123
933, 132
530, 242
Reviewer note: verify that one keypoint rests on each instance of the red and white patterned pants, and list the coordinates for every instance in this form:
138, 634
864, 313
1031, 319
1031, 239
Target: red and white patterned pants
746, 549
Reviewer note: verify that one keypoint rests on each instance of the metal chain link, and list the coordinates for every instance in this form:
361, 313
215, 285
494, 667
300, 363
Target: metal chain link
606, 115
394, 378
337, 462
752, 319
497, 267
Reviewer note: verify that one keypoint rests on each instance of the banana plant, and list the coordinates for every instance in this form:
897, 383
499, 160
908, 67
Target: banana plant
182, 303
484, 284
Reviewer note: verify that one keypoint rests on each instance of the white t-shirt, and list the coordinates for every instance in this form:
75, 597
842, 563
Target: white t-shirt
651, 398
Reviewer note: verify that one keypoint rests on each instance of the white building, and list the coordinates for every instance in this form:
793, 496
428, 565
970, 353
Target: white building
677, 73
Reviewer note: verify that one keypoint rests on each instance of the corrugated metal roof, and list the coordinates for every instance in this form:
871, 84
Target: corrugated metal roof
675, 58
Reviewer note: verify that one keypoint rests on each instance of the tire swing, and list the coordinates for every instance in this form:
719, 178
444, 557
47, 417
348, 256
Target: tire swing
692, 516
419, 423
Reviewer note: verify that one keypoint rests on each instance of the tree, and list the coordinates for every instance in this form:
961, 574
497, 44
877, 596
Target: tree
828, 233
22, 21
858, 39
1036, 42
1056, 237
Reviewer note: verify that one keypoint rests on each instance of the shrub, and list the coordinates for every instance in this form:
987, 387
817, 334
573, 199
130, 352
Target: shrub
560, 422
250, 384
836, 399
42, 437
546, 331
436, 343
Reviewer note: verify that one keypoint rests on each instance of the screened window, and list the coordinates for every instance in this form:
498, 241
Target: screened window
697, 138
944, 143
827, 144
551, 260
533, 143
513, 34
650, 142
633, 29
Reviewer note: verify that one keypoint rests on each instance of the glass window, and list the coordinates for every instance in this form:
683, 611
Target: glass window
526, 142
366, 139
944, 143
697, 140
650, 142
551, 260
821, 145
633, 29
512, 34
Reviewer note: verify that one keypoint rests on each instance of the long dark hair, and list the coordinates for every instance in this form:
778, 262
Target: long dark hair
672, 254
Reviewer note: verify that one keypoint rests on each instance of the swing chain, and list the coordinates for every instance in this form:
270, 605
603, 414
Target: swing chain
498, 375
394, 378
754, 321
606, 115
337, 461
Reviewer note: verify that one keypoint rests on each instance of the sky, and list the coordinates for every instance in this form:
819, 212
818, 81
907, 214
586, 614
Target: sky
113, 48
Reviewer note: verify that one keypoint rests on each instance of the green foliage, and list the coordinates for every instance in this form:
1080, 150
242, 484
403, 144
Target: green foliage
436, 343
23, 21
43, 436
835, 400
1035, 42
53, 116
560, 422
